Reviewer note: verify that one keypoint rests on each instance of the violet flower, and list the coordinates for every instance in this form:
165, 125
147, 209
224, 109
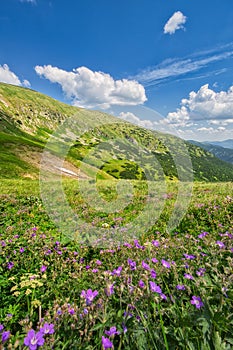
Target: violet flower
34, 340
155, 288
47, 328
107, 344
5, 336
197, 302
89, 295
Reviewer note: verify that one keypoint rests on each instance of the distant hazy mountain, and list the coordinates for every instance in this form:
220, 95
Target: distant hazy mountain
220, 152
226, 143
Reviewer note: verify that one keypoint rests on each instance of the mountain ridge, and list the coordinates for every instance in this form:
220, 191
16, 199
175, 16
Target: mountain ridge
28, 118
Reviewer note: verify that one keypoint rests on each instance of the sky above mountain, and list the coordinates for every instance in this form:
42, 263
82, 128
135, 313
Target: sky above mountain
165, 65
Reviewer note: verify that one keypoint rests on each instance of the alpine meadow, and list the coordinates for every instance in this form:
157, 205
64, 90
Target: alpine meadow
116, 175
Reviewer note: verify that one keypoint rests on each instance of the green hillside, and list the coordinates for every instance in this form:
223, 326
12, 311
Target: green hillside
103, 144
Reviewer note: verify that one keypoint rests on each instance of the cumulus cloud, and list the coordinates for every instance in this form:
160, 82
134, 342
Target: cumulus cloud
9, 77
174, 23
132, 118
205, 104
90, 89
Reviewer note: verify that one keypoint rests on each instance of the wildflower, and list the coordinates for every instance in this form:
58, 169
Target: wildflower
124, 328
89, 295
154, 260
137, 245
145, 266
220, 244
202, 235
21, 250
166, 264
109, 290
197, 302
43, 268
5, 336
153, 274
188, 276
94, 270
155, 288
200, 272
112, 331
132, 264
107, 344
71, 311
189, 256
33, 339
98, 262
155, 243
1, 327
141, 284
47, 328
10, 265
117, 271
163, 296
180, 287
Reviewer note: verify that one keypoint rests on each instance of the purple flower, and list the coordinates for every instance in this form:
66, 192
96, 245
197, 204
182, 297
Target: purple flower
33, 339
154, 260
71, 311
109, 290
189, 256
43, 268
3, 243
141, 284
132, 264
10, 265
220, 244
188, 276
163, 296
47, 328
156, 243
107, 344
197, 302
112, 331
137, 245
200, 272
1, 327
5, 336
89, 295
155, 288
166, 264
180, 287
98, 262
22, 250
153, 273
202, 235
124, 328
145, 266
95, 270
117, 271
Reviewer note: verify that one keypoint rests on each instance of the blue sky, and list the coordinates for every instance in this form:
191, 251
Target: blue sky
161, 64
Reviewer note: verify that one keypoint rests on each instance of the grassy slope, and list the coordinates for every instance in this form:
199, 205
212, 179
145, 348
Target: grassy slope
27, 119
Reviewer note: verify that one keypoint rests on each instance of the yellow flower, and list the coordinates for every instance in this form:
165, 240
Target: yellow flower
28, 291
16, 293
13, 288
36, 303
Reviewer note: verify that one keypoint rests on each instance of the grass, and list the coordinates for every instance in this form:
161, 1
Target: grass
161, 291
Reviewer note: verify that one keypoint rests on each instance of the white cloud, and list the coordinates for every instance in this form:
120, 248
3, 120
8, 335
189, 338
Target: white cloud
132, 118
221, 122
171, 68
205, 104
9, 77
211, 130
94, 89
174, 23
